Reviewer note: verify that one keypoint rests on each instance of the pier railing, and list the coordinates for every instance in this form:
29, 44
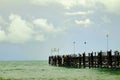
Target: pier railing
91, 60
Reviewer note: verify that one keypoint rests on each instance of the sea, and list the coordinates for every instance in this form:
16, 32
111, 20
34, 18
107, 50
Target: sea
41, 70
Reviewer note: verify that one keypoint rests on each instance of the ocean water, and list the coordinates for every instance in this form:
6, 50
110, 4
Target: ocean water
41, 70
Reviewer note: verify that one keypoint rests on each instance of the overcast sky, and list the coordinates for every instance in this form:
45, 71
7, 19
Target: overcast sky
30, 28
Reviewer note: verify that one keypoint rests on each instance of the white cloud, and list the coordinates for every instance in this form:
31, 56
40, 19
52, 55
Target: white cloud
2, 35
112, 6
79, 13
85, 22
19, 30
45, 26
67, 4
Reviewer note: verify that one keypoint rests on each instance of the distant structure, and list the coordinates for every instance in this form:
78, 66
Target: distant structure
107, 42
85, 45
55, 51
93, 60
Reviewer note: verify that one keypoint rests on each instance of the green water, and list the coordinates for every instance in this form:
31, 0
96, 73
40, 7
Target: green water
40, 70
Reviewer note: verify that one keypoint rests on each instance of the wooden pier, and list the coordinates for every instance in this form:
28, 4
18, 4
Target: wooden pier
90, 60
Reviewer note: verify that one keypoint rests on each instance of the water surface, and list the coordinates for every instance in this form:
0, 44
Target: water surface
40, 70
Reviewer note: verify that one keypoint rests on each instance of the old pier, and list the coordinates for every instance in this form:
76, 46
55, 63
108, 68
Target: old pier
90, 60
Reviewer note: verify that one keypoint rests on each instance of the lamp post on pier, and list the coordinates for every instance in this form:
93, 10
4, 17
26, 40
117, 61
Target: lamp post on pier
74, 47
85, 45
107, 41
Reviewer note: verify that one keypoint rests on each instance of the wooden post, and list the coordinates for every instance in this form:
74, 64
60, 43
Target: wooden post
115, 59
118, 59
92, 59
95, 59
59, 60
55, 61
109, 53
62, 60
84, 60
49, 60
89, 61
79, 60
100, 59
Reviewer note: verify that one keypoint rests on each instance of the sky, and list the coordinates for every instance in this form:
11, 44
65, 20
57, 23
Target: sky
31, 29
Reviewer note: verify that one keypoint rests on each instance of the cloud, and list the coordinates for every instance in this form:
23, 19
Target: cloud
79, 13
45, 26
67, 4
19, 30
108, 5
85, 22
112, 6
2, 35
